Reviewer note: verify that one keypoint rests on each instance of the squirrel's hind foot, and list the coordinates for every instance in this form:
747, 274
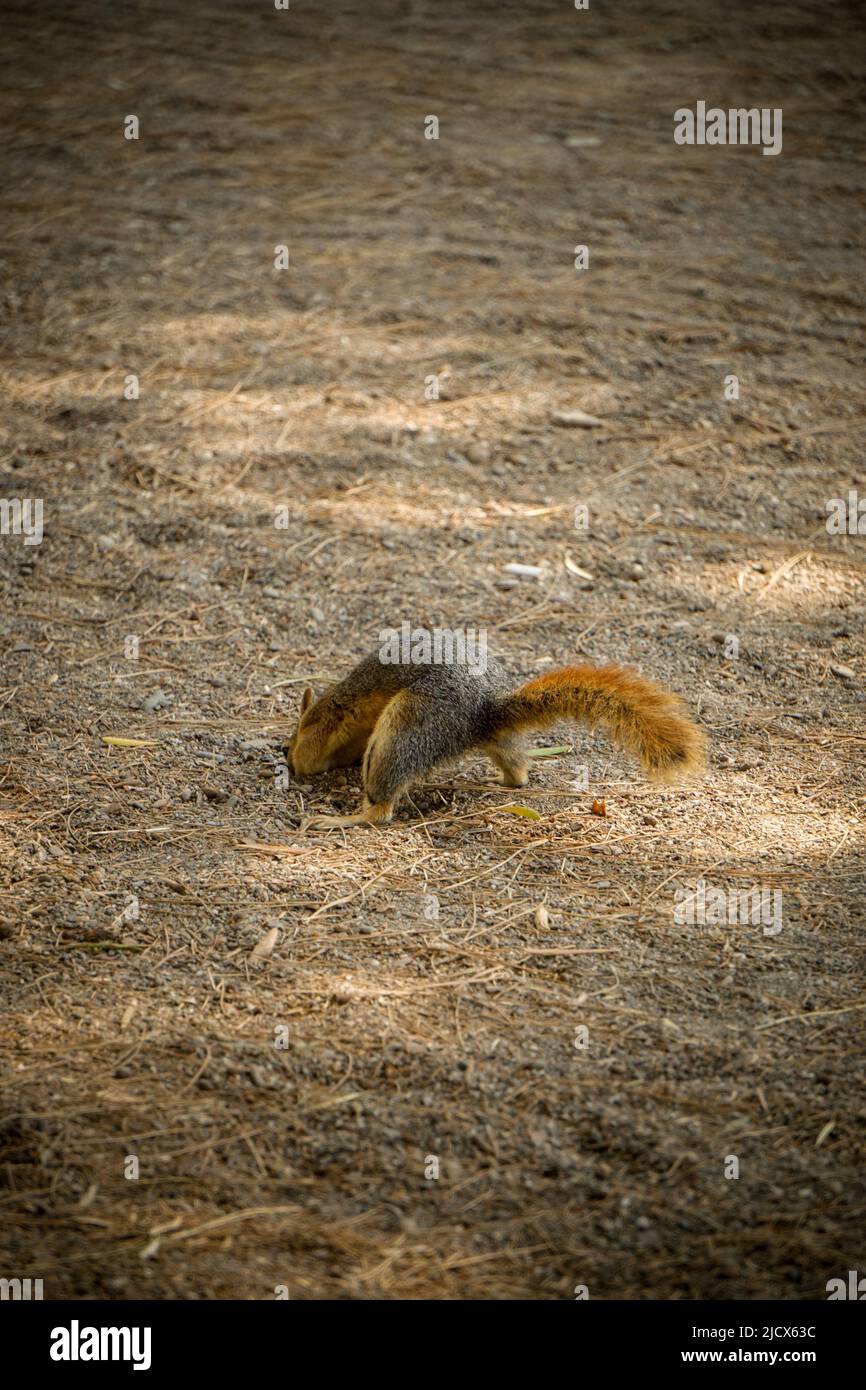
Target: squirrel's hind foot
509, 755
370, 815
514, 778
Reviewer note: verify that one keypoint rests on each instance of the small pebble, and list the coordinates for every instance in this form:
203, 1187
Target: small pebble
527, 571
155, 701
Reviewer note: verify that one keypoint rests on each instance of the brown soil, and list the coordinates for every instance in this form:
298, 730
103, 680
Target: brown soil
411, 1037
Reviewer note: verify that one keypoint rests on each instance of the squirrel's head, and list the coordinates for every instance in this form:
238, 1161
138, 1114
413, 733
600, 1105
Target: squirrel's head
331, 733
308, 749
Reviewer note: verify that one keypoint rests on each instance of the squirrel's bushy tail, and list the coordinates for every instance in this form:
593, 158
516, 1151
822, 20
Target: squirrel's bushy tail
638, 714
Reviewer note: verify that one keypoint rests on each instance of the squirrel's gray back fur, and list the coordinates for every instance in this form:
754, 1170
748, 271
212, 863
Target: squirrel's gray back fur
462, 697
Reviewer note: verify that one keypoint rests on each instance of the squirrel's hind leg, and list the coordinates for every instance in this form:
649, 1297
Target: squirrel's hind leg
382, 776
412, 736
508, 752
409, 738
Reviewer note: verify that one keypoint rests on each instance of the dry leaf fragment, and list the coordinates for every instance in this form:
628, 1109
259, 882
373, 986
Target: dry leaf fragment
266, 945
576, 419
525, 811
129, 742
575, 569
825, 1133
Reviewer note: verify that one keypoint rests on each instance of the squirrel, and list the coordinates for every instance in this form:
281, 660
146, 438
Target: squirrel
400, 720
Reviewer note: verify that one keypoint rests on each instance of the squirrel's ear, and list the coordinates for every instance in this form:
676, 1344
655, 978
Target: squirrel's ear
306, 699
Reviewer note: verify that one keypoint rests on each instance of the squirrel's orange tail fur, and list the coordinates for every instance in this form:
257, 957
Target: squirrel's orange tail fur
638, 715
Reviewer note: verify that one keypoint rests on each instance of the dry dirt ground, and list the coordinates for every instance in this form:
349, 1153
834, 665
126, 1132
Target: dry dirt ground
284, 1110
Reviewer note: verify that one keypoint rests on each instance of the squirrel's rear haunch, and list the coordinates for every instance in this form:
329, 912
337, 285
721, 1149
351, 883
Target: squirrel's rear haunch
638, 715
